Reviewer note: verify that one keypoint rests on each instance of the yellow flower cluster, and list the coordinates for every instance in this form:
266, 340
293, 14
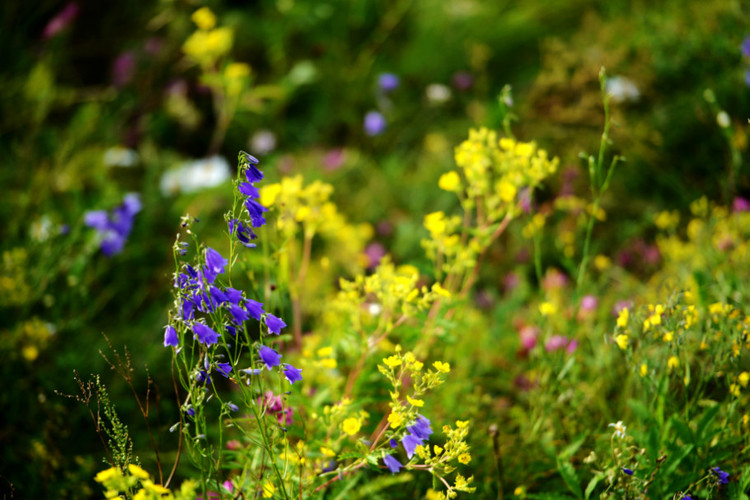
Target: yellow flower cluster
208, 43
117, 482
309, 207
496, 170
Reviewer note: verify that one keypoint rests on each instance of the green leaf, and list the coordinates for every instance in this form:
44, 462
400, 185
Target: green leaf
705, 422
674, 461
592, 484
683, 430
573, 447
568, 473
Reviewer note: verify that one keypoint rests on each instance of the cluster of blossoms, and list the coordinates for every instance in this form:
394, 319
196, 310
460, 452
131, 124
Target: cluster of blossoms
118, 483
198, 291
114, 228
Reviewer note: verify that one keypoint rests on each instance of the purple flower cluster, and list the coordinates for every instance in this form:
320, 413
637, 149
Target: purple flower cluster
721, 476
244, 229
199, 291
418, 433
114, 228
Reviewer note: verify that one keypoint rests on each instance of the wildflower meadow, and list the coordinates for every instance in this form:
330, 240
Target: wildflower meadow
375, 249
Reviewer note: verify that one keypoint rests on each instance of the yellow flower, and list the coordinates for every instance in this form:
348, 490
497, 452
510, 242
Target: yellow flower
204, 18
327, 452
268, 489
106, 475
325, 352
745, 419
744, 378
395, 419
450, 181
445, 367
392, 361
547, 308
464, 458
438, 449
602, 262
435, 223
622, 317
519, 491
434, 495
269, 193
351, 426
462, 423
673, 362
237, 70
622, 341
30, 352
137, 471
734, 390
644, 369
415, 402
506, 190
668, 337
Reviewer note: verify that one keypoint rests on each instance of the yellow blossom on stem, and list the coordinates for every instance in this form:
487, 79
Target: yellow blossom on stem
445, 367
395, 419
351, 426
622, 317
450, 181
415, 402
673, 362
622, 341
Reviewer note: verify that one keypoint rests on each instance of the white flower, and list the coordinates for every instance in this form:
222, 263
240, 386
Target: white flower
120, 156
195, 175
438, 93
723, 119
262, 142
621, 89
619, 429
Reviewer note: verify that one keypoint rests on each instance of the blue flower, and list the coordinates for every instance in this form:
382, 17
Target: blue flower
418, 432
205, 334
233, 295
374, 123
255, 309
170, 337
721, 475
388, 82
627, 471
269, 357
238, 314
393, 443
392, 464
233, 407
248, 189
214, 264
745, 47
292, 374
255, 210
244, 232
274, 324
224, 368
114, 228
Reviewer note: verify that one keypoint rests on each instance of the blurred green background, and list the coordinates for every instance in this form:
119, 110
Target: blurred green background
102, 99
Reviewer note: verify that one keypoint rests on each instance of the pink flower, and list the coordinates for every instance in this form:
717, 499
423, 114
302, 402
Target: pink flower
61, 21
741, 205
528, 336
555, 343
589, 303
333, 159
572, 346
374, 252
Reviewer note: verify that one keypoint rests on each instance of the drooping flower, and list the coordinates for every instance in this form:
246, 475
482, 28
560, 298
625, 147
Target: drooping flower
214, 264
170, 337
239, 315
274, 324
255, 309
393, 465
224, 368
205, 334
269, 356
292, 374
418, 433
627, 471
